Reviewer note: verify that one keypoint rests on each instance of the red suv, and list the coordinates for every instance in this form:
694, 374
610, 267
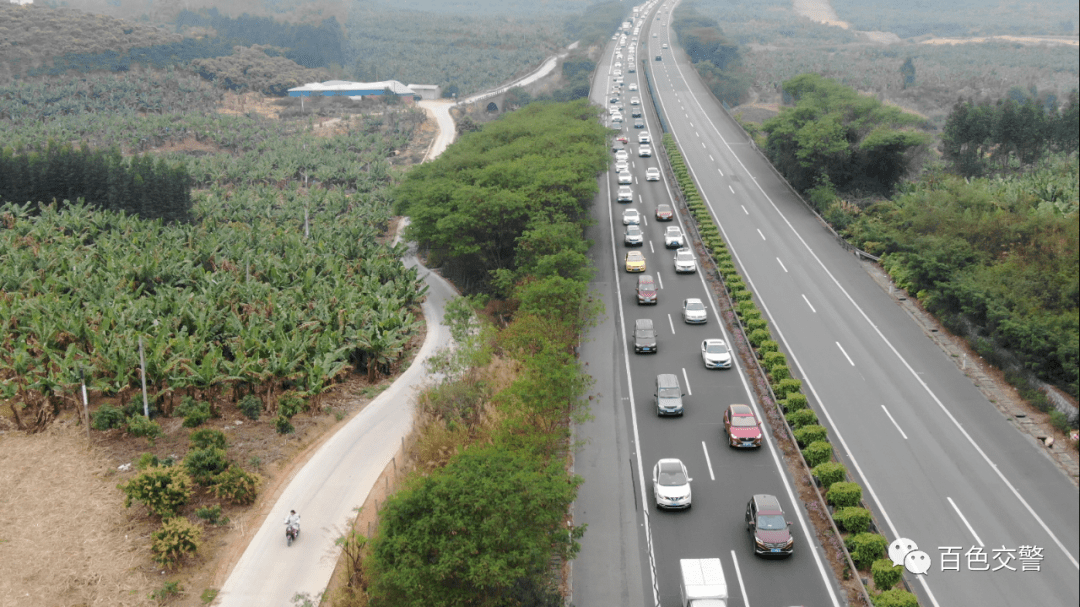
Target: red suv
765, 519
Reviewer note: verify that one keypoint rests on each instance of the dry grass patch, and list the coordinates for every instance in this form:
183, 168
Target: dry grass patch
67, 539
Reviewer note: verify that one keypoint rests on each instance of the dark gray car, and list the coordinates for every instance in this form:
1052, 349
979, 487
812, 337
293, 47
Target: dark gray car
644, 336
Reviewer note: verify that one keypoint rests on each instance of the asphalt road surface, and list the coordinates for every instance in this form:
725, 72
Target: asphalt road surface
938, 463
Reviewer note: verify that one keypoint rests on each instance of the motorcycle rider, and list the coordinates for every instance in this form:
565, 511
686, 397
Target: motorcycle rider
292, 522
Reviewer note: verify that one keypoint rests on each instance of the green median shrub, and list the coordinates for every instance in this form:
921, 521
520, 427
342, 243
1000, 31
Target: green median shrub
742, 296
801, 418
744, 307
779, 373
177, 539
885, 574
817, 452
829, 473
896, 598
795, 401
753, 324
773, 359
853, 519
784, 387
865, 548
767, 346
756, 337
843, 494
163, 490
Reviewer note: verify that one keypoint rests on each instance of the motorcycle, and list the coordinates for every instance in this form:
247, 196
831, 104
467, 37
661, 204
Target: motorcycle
291, 533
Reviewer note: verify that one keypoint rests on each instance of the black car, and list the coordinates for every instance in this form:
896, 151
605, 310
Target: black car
644, 336
639, 124
635, 113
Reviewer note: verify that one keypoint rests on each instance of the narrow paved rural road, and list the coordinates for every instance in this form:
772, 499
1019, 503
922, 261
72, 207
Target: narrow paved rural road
334, 482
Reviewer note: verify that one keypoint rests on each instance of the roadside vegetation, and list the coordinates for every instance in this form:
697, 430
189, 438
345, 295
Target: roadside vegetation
494, 435
715, 57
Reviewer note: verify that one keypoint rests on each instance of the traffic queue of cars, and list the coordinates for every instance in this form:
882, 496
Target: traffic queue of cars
741, 427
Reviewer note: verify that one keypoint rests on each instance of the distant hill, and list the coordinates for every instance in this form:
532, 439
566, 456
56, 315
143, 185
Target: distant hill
31, 35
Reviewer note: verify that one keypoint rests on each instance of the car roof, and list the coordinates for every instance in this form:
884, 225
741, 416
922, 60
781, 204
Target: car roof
741, 410
635, 255
768, 504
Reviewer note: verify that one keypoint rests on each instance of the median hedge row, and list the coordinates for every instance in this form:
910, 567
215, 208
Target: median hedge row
864, 547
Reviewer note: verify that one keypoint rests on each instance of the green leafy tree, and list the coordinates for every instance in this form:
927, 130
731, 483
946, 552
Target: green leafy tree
467, 534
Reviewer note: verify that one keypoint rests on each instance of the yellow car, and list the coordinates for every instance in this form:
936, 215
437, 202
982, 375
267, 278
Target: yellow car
635, 261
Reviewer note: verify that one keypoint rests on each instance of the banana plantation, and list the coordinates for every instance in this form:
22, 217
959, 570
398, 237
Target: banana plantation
280, 282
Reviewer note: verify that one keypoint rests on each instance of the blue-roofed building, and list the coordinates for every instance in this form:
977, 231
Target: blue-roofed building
356, 90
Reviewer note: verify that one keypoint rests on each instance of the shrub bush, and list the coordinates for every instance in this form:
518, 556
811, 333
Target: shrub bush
801, 418
853, 519
829, 473
753, 324
290, 404
205, 464
743, 296
163, 490
207, 437
134, 406
137, 425
772, 359
107, 417
795, 401
210, 514
251, 407
817, 452
751, 313
1060, 421
283, 425
843, 494
785, 387
896, 598
177, 539
767, 346
195, 413
780, 373
886, 575
734, 283
237, 486
810, 434
756, 337
146, 460
865, 548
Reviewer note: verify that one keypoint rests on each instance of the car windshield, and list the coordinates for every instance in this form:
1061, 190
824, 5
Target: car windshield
669, 393
671, 478
695, 306
663, 209
685, 256
645, 285
645, 333
743, 422
633, 230
771, 522
716, 348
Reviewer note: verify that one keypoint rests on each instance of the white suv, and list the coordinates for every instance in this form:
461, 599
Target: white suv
644, 137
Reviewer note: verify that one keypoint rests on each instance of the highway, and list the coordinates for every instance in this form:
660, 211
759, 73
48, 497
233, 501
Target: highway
938, 463
724, 479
